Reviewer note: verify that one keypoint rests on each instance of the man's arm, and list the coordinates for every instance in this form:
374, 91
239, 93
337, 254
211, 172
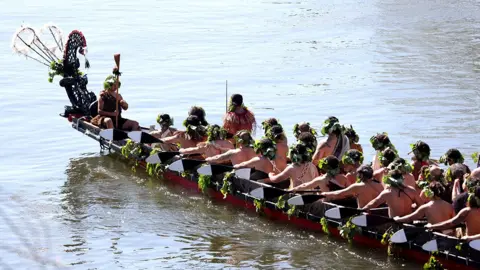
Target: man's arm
343, 193
247, 164
193, 150
222, 157
309, 185
380, 199
274, 178
417, 215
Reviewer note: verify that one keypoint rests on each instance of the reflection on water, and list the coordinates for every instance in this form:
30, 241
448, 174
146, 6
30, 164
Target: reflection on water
114, 217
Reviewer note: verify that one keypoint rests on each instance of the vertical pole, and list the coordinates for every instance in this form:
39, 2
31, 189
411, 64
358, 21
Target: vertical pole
226, 96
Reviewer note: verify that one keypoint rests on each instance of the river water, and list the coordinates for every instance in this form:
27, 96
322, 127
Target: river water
406, 67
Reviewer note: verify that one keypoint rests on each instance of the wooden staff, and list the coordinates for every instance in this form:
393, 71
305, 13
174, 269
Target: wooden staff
116, 57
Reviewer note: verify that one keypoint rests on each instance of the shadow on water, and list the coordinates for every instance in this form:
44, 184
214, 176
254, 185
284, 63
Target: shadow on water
113, 214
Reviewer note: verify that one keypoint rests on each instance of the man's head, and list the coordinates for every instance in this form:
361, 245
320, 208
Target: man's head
351, 160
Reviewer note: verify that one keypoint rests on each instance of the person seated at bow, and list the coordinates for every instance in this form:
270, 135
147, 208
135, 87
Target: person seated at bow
238, 116
437, 210
244, 150
351, 161
469, 215
107, 108
336, 144
398, 197
303, 127
380, 142
331, 178
353, 138
195, 133
300, 171
365, 190
216, 143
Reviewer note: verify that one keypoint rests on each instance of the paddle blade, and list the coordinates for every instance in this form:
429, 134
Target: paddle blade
176, 166
214, 169
113, 134
116, 57
430, 246
475, 244
243, 173
267, 192
399, 237
366, 220
185, 165
333, 213
343, 212
305, 199
142, 137
161, 157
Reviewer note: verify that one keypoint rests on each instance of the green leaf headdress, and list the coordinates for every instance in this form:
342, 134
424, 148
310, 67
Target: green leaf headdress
472, 183
164, 120
275, 133
308, 139
352, 157
381, 141
394, 179
387, 156
452, 155
330, 165
331, 125
420, 150
244, 138
299, 154
215, 132
351, 134
474, 198
270, 122
193, 128
236, 100
401, 165
109, 82
266, 148
303, 127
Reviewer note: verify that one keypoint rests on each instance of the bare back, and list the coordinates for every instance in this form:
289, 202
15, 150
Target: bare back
302, 173
473, 221
399, 201
438, 211
409, 180
368, 191
324, 149
242, 154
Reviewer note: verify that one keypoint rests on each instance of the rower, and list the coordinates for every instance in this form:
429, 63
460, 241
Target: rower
386, 156
380, 142
309, 140
469, 215
330, 180
365, 190
432, 174
453, 156
336, 143
300, 171
107, 108
166, 129
216, 143
396, 195
264, 162
268, 123
471, 182
405, 168
244, 151
351, 161
353, 138
276, 134
421, 157
456, 173
200, 113
194, 133
303, 127
437, 210
238, 116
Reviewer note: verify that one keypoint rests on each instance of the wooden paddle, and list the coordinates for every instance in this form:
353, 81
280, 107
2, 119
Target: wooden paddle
116, 71
267, 193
